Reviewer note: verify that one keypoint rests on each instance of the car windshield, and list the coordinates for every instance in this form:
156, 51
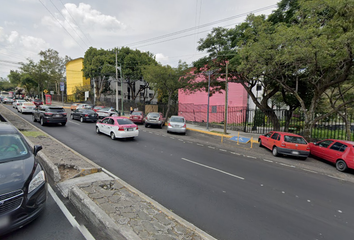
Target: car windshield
55, 110
28, 104
105, 109
88, 111
154, 115
294, 139
177, 119
137, 113
124, 121
12, 147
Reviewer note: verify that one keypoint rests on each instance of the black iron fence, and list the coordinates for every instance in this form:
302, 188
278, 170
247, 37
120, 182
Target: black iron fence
256, 121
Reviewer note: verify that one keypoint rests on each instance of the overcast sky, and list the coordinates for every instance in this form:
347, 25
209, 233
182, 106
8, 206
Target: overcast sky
168, 29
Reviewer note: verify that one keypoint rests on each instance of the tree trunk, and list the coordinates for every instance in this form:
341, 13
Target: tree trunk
273, 119
168, 104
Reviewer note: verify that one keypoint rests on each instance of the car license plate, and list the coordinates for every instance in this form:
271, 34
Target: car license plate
129, 129
4, 221
295, 152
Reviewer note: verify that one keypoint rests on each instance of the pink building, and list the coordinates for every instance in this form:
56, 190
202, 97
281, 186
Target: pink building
193, 106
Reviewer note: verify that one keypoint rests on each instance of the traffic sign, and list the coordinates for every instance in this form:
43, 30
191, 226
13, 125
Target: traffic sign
45, 91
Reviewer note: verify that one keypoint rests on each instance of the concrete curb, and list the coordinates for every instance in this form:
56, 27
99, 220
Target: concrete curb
98, 217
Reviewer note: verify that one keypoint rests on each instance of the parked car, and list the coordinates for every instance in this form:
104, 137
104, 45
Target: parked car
284, 143
23, 185
154, 119
7, 100
96, 108
37, 102
137, 117
177, 124
74, 106
117, 127
49, 114
26, 107
106, 112
339, 152
84, 115
17, 102
84, 106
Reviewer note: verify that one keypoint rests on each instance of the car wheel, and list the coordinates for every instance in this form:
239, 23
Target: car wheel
71, 117
275, 152
42, 122
113, 136
81, 119
341, 165
34, 118
98, 130
63, 124
146, 125
260, 143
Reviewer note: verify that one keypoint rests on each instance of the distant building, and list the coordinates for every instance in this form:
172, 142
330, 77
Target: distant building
75, 75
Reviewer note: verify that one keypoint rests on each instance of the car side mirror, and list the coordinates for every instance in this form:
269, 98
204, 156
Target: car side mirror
36, 149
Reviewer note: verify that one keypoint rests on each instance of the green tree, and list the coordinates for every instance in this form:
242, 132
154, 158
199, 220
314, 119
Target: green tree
165, 79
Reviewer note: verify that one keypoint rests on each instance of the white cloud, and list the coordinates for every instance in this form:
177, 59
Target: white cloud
2, 34
13, 37
161, 58
90, 19
33, 43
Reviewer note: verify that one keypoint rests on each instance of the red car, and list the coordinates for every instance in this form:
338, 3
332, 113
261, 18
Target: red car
284, 143
137, 117
96, 108
37, 102
335, 151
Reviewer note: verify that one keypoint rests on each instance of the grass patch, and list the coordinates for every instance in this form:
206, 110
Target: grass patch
33, 133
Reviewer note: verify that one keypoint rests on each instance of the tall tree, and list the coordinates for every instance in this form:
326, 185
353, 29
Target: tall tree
165, 79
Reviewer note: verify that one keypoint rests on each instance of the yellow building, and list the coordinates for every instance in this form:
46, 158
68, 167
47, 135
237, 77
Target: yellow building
75, 75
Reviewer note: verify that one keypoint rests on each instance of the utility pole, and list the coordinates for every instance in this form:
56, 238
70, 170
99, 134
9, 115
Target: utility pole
226, 91
208, 73
117, 104
121, 87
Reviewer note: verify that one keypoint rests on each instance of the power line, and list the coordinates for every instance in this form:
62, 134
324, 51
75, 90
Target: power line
69, 24
201, 26
61, 25
76, 23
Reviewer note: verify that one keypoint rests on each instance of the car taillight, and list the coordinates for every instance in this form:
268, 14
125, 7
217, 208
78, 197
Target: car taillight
308, 147
137, 128
86, 115
185, 125
48, 114
283, 144
169, 124
64, 114
121, 128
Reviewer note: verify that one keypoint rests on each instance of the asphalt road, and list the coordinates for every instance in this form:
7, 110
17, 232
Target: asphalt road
229, 196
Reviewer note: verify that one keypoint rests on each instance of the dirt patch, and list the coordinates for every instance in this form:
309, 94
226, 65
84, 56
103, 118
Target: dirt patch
70, 164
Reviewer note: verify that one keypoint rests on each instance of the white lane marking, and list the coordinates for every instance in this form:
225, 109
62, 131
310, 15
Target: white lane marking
223, 150
200, 144
180, 139
211, 147
235, 153
251, 157
336, 177
75, 123
286, 165
70, 217
307, 170
266, 160
172, 137
215, 169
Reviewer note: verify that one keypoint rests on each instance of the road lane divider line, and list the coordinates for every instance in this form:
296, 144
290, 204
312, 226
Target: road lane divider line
70, 217
307, 170
223, 150
286, 165
200, 144
266, 160
211, 147
235, 153
215, 169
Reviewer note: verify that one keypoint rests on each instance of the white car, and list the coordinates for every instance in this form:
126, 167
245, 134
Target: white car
117, 127
107, 112
17, 102
26, 107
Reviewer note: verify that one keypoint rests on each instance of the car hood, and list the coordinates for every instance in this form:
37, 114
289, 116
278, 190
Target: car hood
14, 174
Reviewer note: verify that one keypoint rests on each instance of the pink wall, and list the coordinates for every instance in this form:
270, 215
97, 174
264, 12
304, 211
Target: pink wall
194, 106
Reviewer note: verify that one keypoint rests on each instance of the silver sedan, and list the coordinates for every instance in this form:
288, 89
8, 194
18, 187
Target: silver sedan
177, 124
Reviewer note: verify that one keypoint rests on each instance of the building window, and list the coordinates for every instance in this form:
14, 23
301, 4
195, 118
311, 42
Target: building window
119, 92
151, 95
